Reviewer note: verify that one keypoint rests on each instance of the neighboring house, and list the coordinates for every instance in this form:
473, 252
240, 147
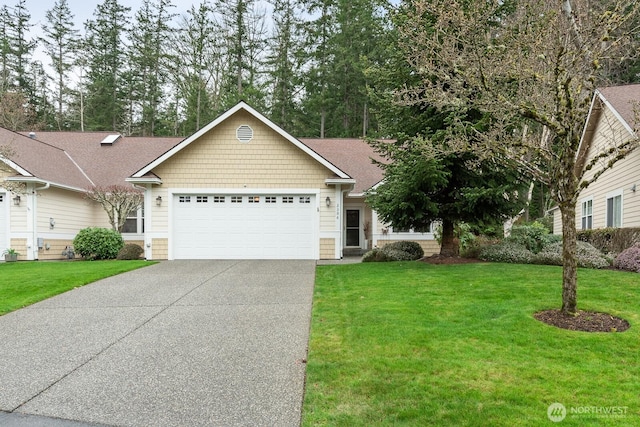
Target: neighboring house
613, 200
241, 187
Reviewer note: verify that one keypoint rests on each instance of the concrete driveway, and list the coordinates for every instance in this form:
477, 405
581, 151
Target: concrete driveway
180, 343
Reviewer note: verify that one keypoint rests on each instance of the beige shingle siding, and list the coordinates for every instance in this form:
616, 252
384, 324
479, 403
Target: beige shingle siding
327, 248
20, 245
56, 247
621, 177
218, 159
160, 249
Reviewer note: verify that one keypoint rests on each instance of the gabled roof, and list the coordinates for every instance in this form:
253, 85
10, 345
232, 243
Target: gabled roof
40, 162
108, 164
353, 156
622, 101
241, 106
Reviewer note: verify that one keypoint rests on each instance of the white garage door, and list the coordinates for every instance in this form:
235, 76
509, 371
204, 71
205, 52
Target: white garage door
265, 226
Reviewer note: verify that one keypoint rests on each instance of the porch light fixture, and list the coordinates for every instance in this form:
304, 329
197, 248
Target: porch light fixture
16, 200
159, 201
328, 201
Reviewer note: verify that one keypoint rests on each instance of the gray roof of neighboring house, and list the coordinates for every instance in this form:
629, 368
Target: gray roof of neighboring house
79, 159
98, 164
43, 161
625, 100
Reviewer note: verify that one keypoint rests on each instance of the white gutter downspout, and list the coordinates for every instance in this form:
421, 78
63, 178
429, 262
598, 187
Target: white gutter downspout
146, 206
32, 246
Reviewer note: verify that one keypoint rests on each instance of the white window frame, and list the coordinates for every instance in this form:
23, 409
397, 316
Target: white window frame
139, 217
608, 219
584, 216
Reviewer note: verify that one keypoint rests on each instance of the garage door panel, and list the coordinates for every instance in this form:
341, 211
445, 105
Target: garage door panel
272, 226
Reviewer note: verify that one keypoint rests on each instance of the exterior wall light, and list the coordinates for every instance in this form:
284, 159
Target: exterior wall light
328, 201
159, 201
16, 200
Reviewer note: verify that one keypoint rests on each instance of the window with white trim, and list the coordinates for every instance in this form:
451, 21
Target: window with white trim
134, 223
218, 199
614, 209
305, 199
236, 199
254, 199
287, 199
184, 199
270, 199
587, 214
202, 199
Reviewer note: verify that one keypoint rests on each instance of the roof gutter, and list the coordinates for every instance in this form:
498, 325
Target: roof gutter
143, 180
46, 184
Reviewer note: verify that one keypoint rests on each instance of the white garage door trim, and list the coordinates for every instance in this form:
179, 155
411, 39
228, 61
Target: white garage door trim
4, 223
308, 224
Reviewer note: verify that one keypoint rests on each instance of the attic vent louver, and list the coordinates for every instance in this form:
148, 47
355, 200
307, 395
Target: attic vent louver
244, 133
110, 139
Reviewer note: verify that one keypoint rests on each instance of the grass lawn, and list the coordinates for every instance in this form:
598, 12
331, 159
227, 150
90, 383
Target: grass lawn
416, 344
26, 282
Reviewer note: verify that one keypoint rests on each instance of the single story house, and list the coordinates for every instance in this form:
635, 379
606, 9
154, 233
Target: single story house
239, 188
613, 199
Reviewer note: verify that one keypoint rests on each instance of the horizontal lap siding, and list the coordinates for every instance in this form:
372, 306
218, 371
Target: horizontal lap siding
621, 177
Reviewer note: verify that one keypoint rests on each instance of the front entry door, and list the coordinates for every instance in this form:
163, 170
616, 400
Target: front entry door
353, 227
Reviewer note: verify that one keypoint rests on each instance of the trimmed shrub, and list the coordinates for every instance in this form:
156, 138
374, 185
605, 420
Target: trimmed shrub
532, 236
507, 251
412, 248
397, 251
374, 255
98, 243
611, 240
130, 251
629, 259
587, 256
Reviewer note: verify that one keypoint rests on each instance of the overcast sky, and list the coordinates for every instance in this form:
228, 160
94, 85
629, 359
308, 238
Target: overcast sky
83, 9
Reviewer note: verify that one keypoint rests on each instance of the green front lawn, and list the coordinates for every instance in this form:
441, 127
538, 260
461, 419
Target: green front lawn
457, 345
25, 283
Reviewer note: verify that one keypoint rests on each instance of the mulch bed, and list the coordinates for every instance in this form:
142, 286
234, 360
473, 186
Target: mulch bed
437, 259
586, 321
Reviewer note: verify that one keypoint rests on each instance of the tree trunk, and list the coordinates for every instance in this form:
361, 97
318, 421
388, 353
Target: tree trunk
450, 246
569, 262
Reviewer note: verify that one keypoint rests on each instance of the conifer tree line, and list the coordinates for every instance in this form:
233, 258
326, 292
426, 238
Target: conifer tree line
155, 72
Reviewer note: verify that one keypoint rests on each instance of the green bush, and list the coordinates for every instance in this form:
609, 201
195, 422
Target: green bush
397, 251
532, 236
130, 251
507, 251
587, 256
374, 255
412, 248
98, 243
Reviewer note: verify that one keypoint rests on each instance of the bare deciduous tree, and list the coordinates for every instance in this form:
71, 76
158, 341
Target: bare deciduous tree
526, 63
117, 201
